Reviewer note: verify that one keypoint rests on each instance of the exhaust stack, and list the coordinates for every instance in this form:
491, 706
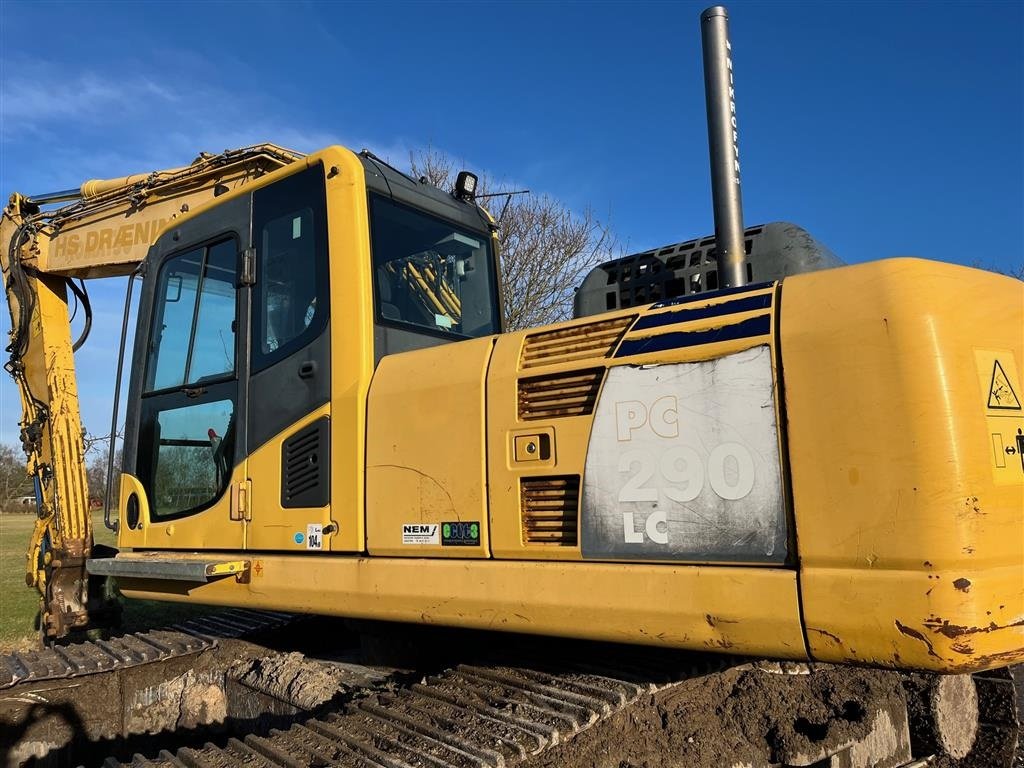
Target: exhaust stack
723, 141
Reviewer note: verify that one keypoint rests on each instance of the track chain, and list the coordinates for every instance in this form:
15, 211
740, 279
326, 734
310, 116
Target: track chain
467, 717
91, 657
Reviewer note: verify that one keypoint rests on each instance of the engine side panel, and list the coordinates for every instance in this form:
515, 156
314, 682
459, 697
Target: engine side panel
426, 484
650, 435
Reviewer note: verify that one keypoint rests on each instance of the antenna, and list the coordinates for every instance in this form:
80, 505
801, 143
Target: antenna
723, 144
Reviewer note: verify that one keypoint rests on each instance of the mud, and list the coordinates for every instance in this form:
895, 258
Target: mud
741, 717
292, 678
69, 717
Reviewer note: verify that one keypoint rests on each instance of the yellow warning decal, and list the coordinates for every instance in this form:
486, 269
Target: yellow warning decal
1004, 414
1000, 385
1000, 392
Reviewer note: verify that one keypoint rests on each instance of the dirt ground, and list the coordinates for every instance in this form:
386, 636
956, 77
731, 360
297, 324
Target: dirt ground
741, 717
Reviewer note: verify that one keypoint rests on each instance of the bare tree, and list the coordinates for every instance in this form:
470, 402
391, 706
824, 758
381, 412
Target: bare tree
97, 455
14, 481
96, 474
546, 249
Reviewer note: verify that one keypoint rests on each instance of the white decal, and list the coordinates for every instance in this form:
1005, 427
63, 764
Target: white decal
314, 536
420, 533
683, 463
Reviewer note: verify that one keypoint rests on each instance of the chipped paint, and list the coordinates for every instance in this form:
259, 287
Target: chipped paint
917, 636
953, 631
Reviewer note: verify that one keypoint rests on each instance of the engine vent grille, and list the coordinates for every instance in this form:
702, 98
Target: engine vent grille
573, 393
581, 342
550, 509
305, 462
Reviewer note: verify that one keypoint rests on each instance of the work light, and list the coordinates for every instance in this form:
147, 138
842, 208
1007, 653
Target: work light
465, 185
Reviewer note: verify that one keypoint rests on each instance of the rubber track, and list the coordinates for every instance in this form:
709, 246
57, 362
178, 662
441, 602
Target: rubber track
468, 717
92, 657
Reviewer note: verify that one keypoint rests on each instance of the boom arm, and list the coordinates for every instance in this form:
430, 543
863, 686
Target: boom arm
104, 229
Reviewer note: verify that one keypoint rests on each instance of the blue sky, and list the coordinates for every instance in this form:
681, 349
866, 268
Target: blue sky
882, 128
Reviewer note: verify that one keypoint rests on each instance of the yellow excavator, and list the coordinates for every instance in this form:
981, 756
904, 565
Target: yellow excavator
731, 448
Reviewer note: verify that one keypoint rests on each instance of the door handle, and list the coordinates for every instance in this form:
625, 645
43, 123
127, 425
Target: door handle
307, 369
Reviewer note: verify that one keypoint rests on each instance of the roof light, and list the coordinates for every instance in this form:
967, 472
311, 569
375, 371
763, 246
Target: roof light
465, 185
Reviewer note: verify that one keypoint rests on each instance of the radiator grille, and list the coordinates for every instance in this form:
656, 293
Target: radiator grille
581, 342
304, 467
573, 393
550, 509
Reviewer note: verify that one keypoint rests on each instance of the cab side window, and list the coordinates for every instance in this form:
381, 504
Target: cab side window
287, 269
290, 297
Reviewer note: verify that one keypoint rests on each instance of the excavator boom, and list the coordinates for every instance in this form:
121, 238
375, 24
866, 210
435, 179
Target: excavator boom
102, 229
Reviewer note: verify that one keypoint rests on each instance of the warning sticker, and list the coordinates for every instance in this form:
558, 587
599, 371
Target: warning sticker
1000, 385
1000, 391
420, 533
1004, 414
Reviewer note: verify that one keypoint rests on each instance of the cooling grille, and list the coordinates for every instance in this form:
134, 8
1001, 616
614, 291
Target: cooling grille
581, 342
304, 467
572, 393
550, 509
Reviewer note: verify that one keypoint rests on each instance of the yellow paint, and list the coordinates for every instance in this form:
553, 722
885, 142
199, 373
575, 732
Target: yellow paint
910, 532
910, 553
202, 530
273, 527
426, 460
351, 342
722, 609
507, 431
228, 568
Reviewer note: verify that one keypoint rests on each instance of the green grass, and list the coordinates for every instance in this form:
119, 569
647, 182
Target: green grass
19, 603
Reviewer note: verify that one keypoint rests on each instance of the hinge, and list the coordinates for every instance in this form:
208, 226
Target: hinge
241, 498
245, 500
248, 273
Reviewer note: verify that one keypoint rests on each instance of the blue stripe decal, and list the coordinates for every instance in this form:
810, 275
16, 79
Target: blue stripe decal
708, 295
754, 326
745, 304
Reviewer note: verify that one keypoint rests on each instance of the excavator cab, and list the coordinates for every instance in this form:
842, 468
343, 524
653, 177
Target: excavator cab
261, 319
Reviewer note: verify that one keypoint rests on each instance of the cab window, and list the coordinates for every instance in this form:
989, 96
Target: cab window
429, 273
193, 333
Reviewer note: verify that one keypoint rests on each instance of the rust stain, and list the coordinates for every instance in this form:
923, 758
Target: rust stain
719, 643
999, 659
834, 638
964, 585
972, 508
952, 631
962, 647
917, 636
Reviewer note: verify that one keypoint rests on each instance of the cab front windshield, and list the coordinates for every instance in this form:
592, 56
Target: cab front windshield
430, 273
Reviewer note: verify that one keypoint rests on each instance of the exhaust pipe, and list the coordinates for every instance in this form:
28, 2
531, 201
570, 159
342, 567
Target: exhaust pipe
723, 143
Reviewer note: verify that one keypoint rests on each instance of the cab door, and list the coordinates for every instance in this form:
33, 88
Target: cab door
188, 451
288, 416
